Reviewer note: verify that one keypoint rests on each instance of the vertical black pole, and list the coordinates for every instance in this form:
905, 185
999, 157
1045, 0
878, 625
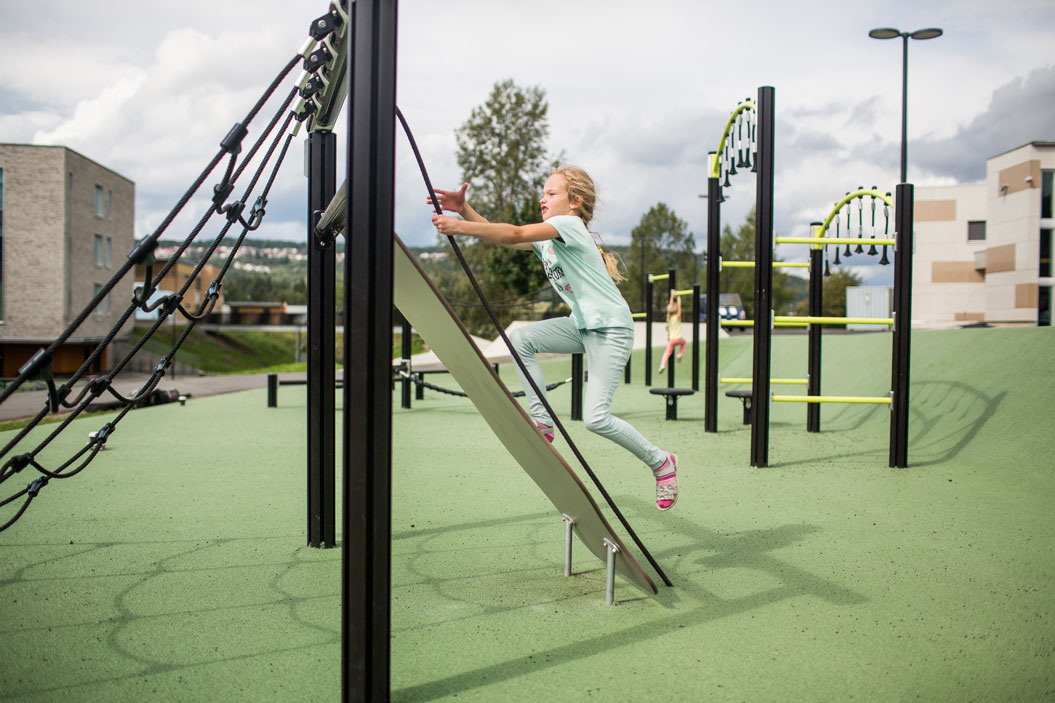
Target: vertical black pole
671, 362
626, 371
760, 396
696, 337
367, 418
322, 301
272, 390
816, 307
576, 387
714, 262
904, 107
903, 217
408, 348
648, 332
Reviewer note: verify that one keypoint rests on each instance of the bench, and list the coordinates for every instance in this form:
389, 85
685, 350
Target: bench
745, 396
671, 394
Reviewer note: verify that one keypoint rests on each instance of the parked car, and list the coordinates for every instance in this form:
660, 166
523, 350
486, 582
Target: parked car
730, 307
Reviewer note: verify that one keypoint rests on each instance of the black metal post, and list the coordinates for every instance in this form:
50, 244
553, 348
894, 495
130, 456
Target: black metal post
760, 396
904, 107
714, 260
322, 324
671, 362
816, 307
696, 337
367, 418
626, 371
899, 408
648, 332
407, 344
576, 387
272, 390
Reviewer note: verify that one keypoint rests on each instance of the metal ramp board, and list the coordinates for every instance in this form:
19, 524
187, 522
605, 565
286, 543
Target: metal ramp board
419, 300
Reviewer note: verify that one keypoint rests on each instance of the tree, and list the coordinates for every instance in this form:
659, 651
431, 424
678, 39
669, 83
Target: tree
740, 246
502, 150
660, 242
502, 154
834, 294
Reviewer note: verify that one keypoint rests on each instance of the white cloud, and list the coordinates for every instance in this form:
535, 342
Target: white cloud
638, 97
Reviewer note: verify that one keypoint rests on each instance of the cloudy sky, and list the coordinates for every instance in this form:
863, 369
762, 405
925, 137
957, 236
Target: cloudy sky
638, 93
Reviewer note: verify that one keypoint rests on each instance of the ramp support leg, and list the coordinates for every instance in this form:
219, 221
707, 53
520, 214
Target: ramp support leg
568, 524
609, 589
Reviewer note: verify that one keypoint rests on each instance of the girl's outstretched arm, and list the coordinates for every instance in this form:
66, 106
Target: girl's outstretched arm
512, 236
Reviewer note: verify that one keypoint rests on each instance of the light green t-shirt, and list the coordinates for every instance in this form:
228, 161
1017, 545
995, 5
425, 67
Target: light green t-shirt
576, 270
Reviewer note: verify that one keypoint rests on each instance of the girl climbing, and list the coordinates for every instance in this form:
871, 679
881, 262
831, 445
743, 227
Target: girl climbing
674, 338
599, 326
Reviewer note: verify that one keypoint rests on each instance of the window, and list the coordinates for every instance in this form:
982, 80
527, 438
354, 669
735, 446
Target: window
98, 201
109, 252
976, 231
1044, 297
1046, 193
99, 260
109, 205
96, 289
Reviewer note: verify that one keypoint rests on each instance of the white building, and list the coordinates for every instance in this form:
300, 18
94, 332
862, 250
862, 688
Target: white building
983, 251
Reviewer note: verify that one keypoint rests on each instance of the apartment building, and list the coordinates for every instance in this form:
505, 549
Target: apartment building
983, 251
66, 225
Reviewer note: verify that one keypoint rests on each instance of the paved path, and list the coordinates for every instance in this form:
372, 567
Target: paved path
27, 404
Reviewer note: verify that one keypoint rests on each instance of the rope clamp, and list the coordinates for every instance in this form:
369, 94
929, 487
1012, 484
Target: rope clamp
232, 143
34, 488
324, 25
317, 59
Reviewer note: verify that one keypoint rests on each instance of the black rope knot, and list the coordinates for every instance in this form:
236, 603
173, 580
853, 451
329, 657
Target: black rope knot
19, 462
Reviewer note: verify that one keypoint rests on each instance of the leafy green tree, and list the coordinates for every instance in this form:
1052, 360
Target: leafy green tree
834, 295
660, 242
739, 245
502, 154
502, 150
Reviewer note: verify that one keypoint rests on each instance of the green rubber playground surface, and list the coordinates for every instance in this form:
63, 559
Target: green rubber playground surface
175, 566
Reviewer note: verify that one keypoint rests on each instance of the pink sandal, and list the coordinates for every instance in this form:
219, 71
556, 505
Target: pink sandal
546, 430
667, 483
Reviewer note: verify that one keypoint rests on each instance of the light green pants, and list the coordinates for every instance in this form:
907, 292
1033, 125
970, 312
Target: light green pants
607, 351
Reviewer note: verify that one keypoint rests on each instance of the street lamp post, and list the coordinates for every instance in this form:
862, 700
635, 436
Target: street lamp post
890, 33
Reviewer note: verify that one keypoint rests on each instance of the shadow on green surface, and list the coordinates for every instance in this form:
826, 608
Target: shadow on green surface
748, 557
163, 618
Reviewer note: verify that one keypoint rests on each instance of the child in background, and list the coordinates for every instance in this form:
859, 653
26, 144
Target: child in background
674, 338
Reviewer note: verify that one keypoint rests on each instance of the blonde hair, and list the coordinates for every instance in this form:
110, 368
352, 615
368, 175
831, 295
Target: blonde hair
581, 186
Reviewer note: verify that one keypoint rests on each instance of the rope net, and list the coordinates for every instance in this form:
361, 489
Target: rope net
322, 56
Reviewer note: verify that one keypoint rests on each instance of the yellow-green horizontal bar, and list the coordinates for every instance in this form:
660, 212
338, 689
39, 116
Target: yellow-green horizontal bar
658, 276
776, 264
879, 400
834, 240
687, 291
795, 381
797, 322
639, 315
801, 319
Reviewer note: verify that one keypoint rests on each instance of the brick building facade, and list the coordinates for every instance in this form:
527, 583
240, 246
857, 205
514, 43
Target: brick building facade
66, 225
